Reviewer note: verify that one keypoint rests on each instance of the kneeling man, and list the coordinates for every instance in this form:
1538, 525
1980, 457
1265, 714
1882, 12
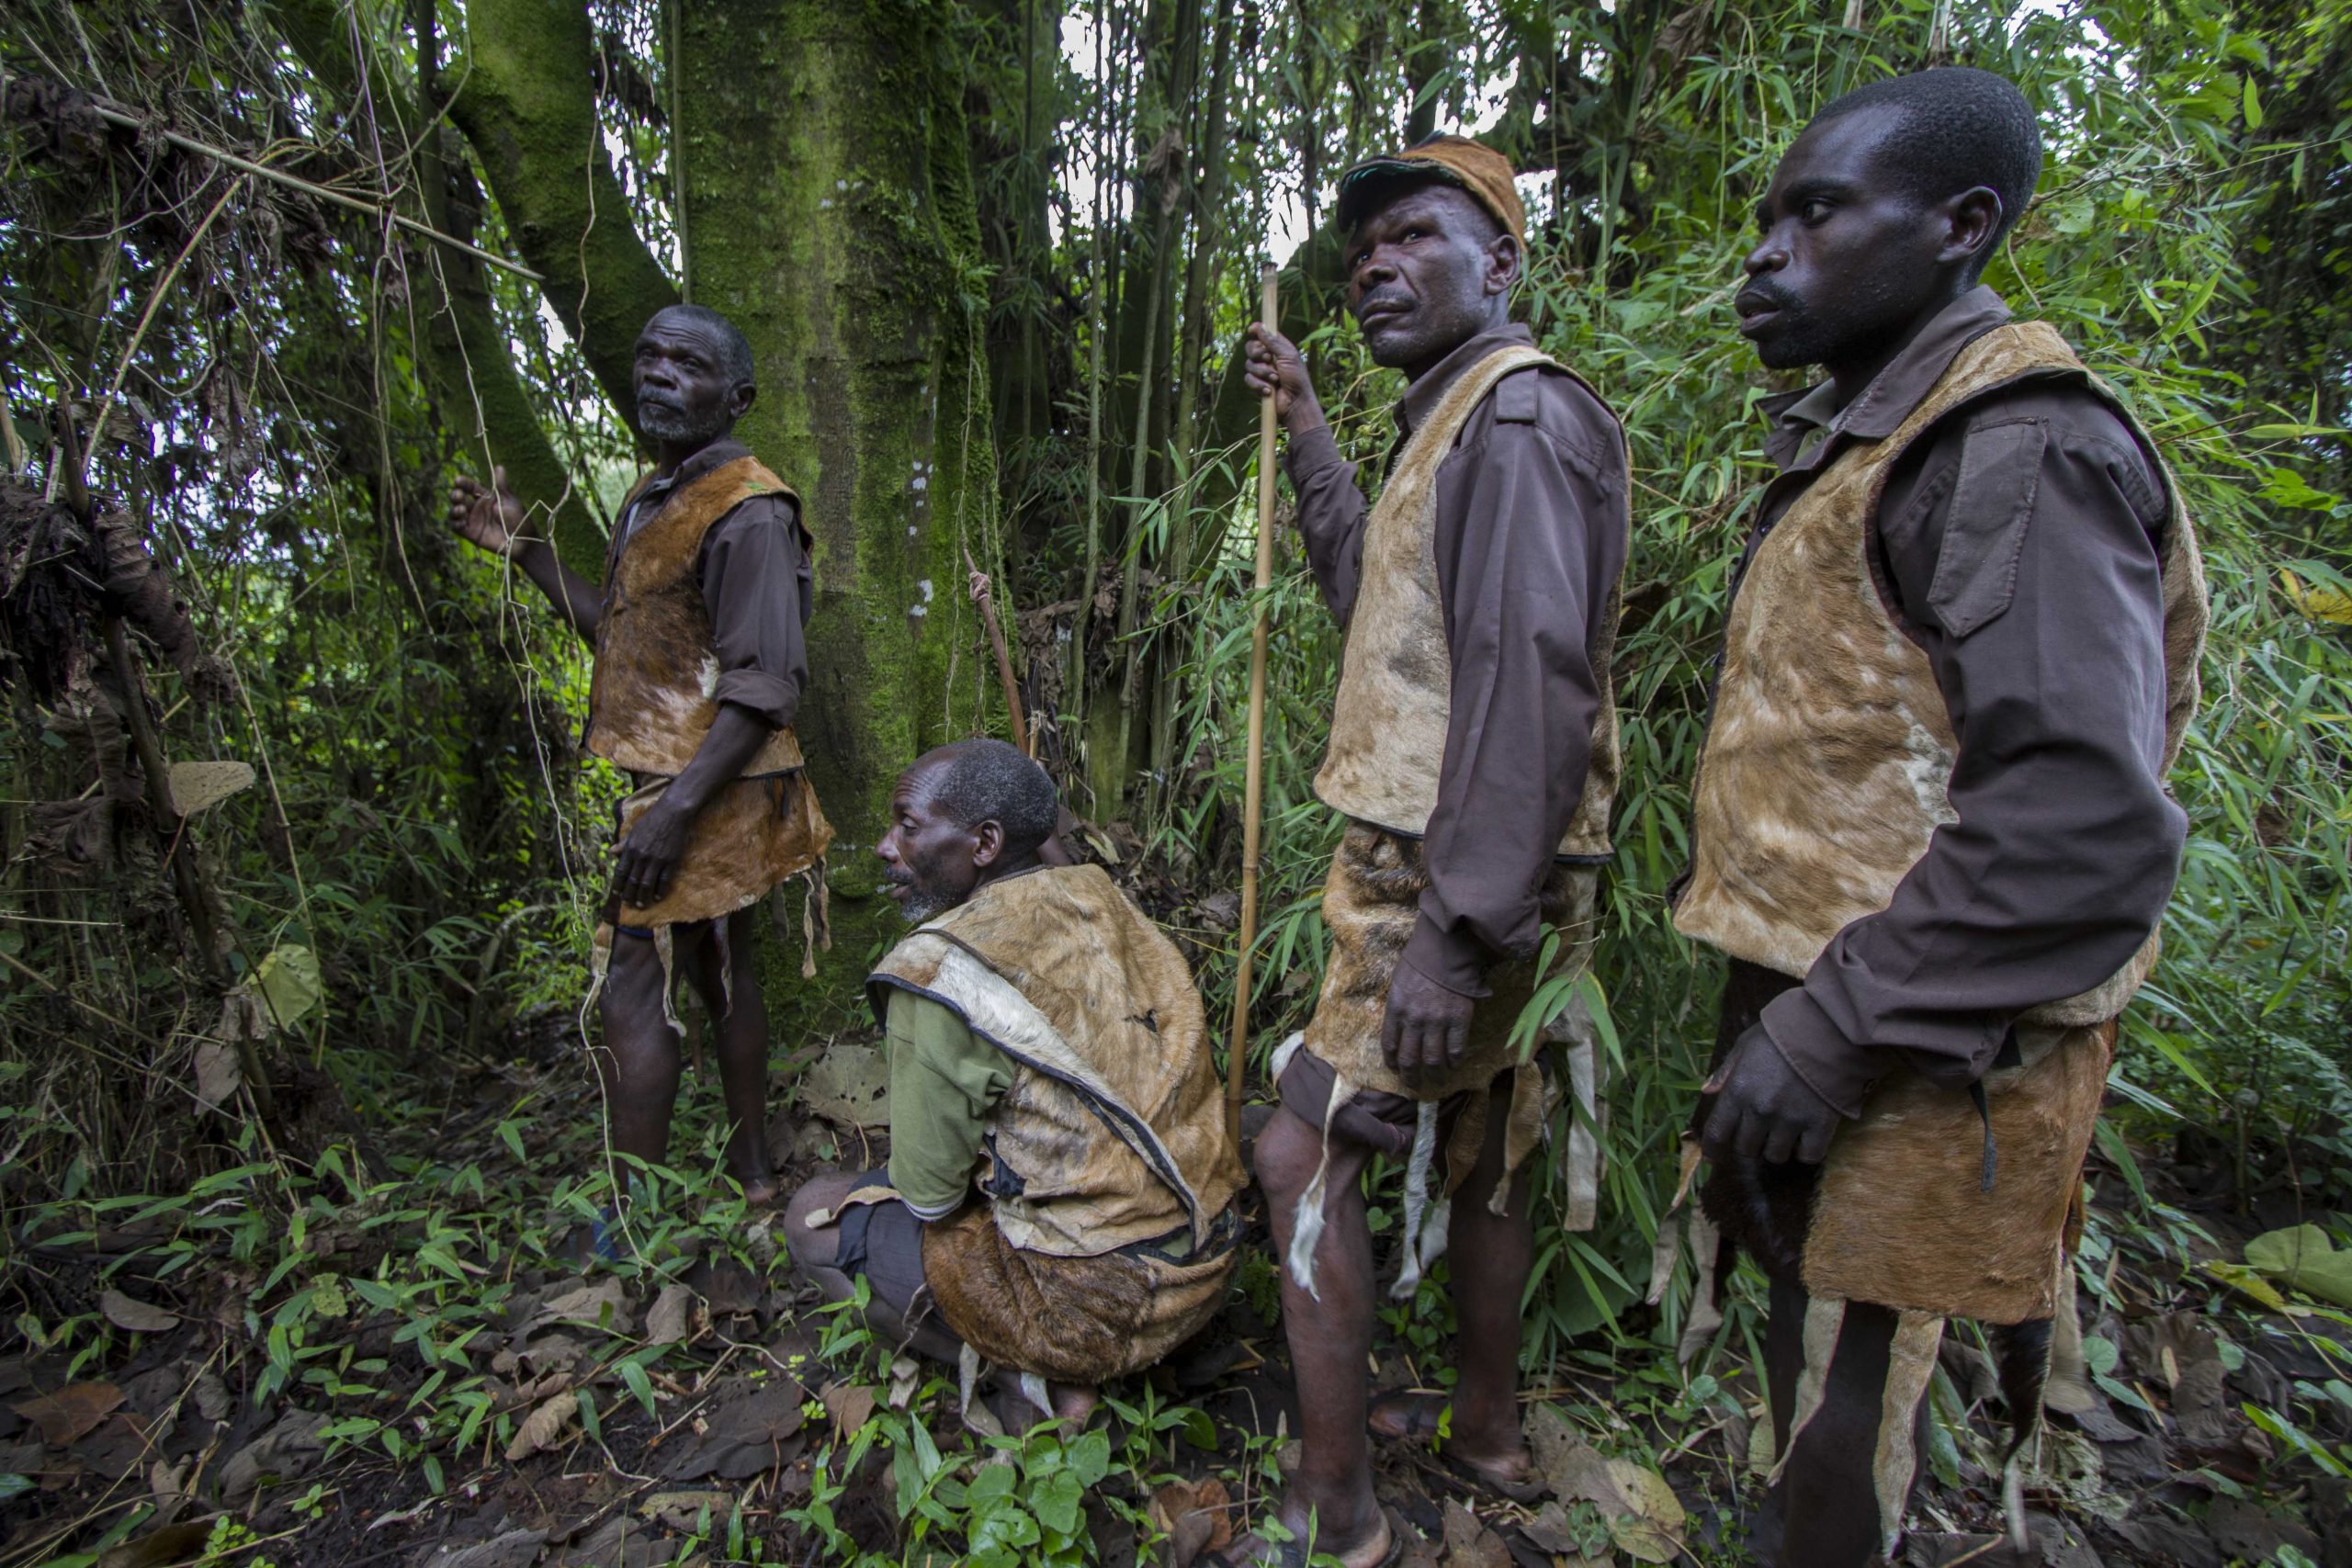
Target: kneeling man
1059, 1193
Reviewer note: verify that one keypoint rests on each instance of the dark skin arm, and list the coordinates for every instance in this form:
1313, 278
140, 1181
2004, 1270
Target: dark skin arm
650, 855
492, 518
1763, 1110
1426, 1028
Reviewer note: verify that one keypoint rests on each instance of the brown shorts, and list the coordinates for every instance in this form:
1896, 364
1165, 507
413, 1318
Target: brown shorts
882, 1244
1382, 1123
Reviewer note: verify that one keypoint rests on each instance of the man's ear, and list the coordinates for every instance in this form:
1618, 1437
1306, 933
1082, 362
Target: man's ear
1503, 264
739, 401
1971, 220
988, 842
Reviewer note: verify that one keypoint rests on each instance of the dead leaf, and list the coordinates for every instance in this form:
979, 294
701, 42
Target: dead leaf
849, 1405
1469, 1543
670, 1316
196, 786
70, 1414
850, 1087
1651, 1531
1550, 1532
172, 1543
601, 1306
136, 1316
1577, 1473
516, 1549
906, 1373
682, 1510
216, 1076
545, 1428
1196, 1517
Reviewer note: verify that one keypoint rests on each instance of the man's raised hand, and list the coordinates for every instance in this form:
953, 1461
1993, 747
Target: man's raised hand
1273, 367
490, 517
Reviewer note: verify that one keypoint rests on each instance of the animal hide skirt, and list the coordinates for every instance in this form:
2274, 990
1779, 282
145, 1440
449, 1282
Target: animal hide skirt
1934, 1204
747, 838
1926, 1202
1083, 1320
1370, 902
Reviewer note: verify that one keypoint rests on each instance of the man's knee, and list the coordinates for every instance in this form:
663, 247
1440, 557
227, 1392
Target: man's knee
813, 1246
1287, 1156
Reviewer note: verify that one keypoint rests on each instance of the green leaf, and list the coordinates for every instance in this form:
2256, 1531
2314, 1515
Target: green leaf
289, 981
1056, 1502
638, 1384
2303, 1258
2253, 107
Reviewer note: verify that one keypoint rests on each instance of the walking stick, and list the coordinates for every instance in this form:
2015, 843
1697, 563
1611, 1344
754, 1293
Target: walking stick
1254, 774
1013, 714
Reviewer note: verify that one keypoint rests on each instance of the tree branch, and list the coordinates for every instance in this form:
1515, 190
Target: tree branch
526, 99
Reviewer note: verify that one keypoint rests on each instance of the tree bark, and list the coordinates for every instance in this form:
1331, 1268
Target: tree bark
830, 209
464, 350
524, 95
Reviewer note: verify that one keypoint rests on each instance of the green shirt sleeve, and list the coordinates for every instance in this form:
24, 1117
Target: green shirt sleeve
944, 1082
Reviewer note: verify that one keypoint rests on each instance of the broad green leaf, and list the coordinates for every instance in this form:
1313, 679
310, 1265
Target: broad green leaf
288, 979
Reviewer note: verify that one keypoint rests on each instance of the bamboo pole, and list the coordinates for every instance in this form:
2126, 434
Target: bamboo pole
1253, 773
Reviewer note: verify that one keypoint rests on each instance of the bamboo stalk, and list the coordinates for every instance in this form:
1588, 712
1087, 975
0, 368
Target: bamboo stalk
1254, 767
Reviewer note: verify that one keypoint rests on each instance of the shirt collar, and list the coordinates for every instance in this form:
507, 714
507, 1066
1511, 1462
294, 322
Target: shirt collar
1895, 393
726, 449
1420, 399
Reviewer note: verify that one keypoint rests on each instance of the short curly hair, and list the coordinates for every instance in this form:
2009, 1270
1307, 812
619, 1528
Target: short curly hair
988, 780
1957, 128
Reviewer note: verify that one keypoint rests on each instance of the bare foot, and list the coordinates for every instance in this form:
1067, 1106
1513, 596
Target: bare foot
1256, 1551
1500, 1461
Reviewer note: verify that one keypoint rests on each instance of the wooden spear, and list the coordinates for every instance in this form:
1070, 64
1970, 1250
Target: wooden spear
1253, 773
989, 622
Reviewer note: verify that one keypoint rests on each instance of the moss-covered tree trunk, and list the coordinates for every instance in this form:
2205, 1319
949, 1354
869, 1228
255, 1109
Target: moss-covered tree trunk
830, 214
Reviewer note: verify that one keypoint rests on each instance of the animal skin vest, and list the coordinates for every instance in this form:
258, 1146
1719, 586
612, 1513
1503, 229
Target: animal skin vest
1396, 696
1824, 773
1111, 1134
653, 698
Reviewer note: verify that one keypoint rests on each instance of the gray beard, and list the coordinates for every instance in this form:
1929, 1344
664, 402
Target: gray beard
661, 423
923, 904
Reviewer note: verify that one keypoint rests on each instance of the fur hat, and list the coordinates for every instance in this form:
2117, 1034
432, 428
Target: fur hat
1457, 161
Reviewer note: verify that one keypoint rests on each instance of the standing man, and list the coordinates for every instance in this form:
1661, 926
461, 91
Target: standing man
700, 664
1929, 827
1474, 751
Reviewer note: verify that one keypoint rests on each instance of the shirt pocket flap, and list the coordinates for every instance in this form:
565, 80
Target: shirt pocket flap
1984, 526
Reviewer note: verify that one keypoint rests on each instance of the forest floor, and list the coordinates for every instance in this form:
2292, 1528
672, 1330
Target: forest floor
397, 1358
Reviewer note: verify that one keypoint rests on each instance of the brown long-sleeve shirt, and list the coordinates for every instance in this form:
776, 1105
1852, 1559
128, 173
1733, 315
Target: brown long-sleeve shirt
756, 583
2066, 845
1530, 537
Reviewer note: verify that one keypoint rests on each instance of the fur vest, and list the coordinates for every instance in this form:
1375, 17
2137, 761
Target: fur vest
651, 699
1825, 771
1396, 696
1112, 1134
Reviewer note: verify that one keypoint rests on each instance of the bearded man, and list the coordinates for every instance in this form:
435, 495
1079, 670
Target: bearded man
1930, 825
1474, 752
700, 664
1059, 1195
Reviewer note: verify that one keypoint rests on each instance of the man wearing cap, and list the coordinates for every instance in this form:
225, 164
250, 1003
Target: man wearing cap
1473, 750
